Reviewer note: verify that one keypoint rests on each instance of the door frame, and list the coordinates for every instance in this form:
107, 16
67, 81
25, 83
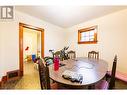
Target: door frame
21, 26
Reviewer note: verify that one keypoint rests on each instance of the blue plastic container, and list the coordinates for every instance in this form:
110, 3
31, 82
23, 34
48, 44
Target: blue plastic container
33, 57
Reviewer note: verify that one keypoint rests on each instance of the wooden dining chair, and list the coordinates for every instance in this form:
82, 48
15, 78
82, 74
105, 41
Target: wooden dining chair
93, 54
44, 76
71, 54
105, 84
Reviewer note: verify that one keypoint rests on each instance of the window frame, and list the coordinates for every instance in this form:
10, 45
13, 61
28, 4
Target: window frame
88, 29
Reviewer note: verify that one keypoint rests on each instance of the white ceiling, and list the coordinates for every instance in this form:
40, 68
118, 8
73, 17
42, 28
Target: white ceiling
67, 16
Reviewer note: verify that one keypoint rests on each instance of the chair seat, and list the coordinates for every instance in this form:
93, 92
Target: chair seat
119, 75
57, 86
102, 85
54, 86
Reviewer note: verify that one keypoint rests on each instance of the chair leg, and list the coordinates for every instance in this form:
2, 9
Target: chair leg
107, 77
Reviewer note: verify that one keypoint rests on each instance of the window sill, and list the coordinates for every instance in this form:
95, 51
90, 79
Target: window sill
88, 42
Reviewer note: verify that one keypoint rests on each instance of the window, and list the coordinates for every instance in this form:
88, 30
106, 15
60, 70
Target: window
87, 35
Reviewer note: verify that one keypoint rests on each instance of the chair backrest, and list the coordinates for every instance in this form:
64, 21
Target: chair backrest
93, 54
112, 80
44, 75
71, 54
58, 54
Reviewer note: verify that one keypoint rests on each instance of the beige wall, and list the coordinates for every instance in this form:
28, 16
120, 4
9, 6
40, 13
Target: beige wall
112, 38
54, 36
9, 47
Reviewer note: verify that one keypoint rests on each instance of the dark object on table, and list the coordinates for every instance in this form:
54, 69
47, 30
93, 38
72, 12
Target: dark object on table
72, 76
61, 64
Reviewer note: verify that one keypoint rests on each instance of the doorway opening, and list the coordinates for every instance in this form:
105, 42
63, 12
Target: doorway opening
26, 49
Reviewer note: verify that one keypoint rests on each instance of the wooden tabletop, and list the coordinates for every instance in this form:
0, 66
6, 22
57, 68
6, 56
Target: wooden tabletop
93, 70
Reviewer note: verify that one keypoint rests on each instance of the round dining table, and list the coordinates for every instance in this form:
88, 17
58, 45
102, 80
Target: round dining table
92, 70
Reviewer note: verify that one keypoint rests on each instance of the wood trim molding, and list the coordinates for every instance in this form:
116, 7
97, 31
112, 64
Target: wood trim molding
21, 49
21, 26
87, 30
0, 84
31, 27
3, 81
12, 75
42, 44
89, 42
